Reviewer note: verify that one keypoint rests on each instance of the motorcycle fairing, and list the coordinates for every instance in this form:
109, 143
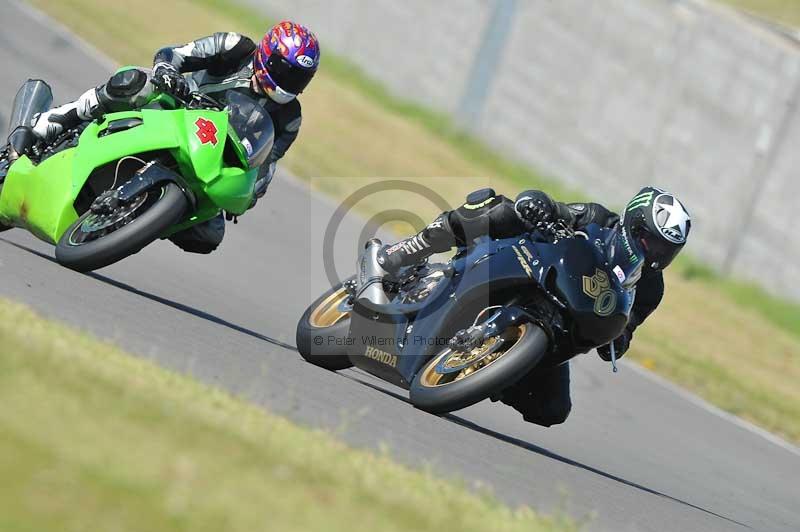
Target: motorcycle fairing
378, 339
492, 272
570, 266
41, 197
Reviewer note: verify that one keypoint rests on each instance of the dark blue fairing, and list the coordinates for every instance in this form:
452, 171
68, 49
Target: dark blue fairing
395, 341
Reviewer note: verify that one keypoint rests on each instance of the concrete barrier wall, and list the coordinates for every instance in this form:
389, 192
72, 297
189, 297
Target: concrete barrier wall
608, 96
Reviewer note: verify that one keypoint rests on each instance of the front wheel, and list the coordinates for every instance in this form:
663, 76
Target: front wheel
98, 240
452, 380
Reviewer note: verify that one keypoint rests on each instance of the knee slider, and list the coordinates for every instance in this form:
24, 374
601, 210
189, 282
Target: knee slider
557, 412
546, 414
126, 83
202, 238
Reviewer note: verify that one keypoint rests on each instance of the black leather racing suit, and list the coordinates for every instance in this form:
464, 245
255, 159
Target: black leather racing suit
543, 396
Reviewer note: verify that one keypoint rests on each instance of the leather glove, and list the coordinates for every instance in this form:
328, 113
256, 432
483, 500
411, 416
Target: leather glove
168, 80
621, 345
535, 207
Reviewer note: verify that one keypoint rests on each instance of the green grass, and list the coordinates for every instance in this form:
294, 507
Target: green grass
739, 348
782, 313
786, 12
94, 439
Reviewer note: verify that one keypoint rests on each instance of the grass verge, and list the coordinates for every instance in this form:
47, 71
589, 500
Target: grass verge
725, 340
92, 439
785, 12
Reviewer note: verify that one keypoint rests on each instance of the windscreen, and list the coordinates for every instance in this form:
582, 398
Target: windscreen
33, 97
624, 256
253, 125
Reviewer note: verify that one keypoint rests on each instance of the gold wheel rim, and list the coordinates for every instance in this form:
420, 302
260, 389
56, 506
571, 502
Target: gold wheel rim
510, 338
327, 313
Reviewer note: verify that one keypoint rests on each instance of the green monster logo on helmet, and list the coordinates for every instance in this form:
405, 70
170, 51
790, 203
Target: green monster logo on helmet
641, 200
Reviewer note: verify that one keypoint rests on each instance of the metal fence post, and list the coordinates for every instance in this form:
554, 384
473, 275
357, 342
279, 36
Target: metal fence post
485, 63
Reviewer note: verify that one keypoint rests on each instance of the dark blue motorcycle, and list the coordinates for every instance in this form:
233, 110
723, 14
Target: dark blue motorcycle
455, 334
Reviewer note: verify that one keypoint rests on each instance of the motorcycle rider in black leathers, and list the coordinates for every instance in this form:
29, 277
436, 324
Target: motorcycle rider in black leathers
656, 226
273, 72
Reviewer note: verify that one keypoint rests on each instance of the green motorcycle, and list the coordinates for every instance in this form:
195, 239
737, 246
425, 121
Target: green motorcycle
104, 190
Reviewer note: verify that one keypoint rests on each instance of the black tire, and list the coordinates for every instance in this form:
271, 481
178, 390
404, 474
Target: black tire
163, 207
482, 383
316, 342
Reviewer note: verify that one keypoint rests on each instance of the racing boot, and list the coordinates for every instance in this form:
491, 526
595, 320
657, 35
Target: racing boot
370, 274
262, 183
52, 123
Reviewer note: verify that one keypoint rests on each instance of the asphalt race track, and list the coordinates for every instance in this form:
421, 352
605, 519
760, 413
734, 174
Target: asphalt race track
634, 455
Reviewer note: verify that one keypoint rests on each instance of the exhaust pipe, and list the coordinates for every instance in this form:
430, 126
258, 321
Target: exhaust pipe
370, 274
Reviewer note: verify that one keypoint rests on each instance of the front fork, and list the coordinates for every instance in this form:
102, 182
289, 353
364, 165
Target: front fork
501, 319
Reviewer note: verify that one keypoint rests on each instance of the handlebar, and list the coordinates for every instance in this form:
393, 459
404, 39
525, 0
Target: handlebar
198, 100
555, 229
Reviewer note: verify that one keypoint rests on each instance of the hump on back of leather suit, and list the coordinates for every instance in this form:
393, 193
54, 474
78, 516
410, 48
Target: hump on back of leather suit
485, 213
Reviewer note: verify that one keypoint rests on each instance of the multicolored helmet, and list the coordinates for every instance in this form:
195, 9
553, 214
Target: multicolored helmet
286, 60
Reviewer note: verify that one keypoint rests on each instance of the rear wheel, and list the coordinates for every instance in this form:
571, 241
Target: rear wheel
452, 380
98, 240
323, 330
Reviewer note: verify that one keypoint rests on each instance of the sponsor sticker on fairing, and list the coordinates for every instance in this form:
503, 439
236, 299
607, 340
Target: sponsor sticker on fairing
247, 146
619, 273
206, 131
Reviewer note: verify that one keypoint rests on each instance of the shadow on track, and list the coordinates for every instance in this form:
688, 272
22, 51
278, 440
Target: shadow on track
358, 377
163, 301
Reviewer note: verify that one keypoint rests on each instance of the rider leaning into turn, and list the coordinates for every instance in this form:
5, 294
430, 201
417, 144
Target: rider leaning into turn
274, 72
655, 225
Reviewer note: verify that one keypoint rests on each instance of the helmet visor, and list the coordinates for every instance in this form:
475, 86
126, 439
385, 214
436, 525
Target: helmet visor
290, 78
658, 252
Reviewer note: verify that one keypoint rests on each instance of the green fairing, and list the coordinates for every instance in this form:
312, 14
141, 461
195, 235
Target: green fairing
41, 198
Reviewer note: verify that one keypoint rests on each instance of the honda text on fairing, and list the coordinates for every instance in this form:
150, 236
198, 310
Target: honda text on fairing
517, 296
105, 189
